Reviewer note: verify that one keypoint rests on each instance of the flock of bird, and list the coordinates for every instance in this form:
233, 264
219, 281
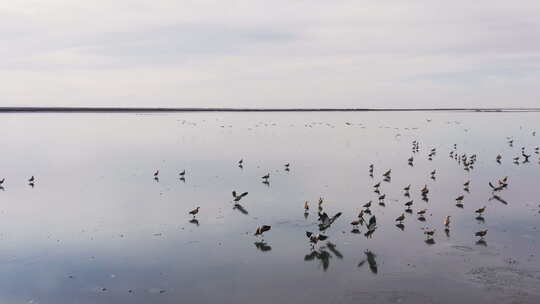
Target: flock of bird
366, 218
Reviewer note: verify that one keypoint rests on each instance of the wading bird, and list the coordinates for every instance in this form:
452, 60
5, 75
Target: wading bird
194, 211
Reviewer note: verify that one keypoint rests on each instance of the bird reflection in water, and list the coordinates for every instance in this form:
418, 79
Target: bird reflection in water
182, 179
481, 242
262, 246
370, 259
401, 226
266, 182
498, 198
480, 219
2, 188
323, 255
240, 208
194, 221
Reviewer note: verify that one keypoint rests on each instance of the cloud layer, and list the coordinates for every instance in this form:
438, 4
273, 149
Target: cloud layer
270, 53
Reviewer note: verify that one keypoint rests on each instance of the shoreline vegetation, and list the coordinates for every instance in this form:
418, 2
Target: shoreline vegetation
173, 109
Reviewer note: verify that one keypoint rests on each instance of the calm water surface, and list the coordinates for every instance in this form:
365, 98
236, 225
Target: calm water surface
97, 228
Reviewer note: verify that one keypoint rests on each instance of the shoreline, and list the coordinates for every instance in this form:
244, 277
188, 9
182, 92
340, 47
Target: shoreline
169, 109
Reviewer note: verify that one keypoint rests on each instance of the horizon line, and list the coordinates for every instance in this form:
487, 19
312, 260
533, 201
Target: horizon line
202, 109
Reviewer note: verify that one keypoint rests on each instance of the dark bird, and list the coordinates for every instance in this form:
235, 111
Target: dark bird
429, 232
367, 205
306, 206
387, 173
409, 204
481, 210
31, 179
2, 181
407, 188
326, 221
156, 174
315, 238
372, 223
266, 177
422, 212
481, 233
400, 218
261, 229
194, 211
236, 197
183, 173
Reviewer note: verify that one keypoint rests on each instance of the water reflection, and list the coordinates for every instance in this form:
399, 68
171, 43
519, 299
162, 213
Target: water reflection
262, 246
323, 255
371, 260
93, 193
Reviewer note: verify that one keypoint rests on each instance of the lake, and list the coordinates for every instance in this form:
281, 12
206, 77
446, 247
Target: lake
96, 227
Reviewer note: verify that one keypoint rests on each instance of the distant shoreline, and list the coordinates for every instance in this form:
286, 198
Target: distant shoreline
167, 109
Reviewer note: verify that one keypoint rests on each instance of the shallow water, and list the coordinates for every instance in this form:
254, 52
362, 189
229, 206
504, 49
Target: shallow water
97, 228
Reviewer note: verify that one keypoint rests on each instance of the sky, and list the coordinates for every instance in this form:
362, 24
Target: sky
279, 53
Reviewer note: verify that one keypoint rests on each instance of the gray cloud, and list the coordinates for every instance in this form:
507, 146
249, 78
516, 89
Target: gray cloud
256, 53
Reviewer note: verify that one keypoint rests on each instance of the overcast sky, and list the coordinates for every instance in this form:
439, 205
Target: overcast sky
272, 53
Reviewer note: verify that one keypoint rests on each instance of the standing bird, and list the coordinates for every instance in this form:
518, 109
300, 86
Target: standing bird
261, 229
367, 205
2, 181
481, 233
387, 173
481, 210
183, 173
409, 204
429, 233
400, 218
460, 198
306, 206
266, 177
446, 222
156, 174
194, 211
31, 179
